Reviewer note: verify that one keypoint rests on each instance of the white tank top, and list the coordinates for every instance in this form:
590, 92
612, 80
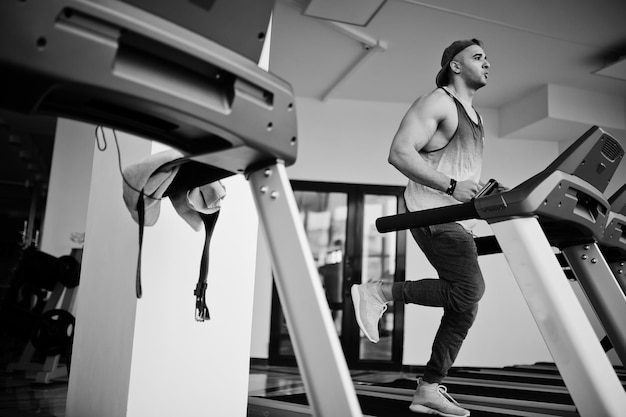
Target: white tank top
460, 159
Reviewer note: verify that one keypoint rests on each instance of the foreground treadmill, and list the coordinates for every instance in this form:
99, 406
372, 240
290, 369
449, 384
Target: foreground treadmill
126, 65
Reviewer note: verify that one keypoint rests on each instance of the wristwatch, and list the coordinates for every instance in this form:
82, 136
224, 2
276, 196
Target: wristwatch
451, 187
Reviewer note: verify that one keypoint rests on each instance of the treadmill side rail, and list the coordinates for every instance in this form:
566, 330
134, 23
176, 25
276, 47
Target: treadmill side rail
325, 374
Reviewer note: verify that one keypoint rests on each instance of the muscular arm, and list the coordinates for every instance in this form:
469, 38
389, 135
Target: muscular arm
426, 126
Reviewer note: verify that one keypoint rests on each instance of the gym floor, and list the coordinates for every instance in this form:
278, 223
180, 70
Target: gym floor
20, 397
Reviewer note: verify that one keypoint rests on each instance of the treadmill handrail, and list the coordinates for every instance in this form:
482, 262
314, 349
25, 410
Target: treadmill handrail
421, 218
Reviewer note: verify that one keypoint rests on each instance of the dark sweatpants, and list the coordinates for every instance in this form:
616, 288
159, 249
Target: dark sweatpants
452, 252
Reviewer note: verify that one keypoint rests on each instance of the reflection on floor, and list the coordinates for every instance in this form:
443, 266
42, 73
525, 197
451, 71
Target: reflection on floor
270, 381
20, 397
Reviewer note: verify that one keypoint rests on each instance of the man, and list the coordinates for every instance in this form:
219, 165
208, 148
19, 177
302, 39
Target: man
438, 147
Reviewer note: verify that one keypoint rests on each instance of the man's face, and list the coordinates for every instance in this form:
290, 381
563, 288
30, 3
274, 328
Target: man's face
473, 66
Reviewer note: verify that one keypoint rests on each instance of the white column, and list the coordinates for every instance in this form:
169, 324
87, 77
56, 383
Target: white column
106, 302
149, 357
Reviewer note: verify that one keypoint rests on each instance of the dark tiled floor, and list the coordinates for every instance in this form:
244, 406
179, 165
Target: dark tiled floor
24, 398
270, 381
21, 397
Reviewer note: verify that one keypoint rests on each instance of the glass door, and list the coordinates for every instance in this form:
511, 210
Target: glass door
324, 216
379, 264
339, 221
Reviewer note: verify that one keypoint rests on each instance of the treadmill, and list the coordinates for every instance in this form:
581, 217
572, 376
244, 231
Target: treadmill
529, 386
184, 74
565, 202
541, 389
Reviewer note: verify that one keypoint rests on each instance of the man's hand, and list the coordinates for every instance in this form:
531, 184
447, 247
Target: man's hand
501, 189
465, 190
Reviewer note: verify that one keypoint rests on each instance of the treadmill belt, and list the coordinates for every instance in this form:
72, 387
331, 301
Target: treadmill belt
511, 377
379, 407
491, 392
552, 370
521, 375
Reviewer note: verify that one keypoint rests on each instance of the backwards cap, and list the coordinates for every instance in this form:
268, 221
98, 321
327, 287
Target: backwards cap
443, 77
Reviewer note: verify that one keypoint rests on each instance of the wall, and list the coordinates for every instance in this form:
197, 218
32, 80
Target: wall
351, 139
346, 141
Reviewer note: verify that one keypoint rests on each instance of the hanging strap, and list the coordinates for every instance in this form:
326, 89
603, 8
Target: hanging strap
209, 220
141, 217
202, 311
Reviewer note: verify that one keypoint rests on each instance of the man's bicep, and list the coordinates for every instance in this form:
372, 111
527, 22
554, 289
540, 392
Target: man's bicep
416, 129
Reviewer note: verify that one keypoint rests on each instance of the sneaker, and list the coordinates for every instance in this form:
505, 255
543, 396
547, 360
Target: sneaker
368, 308
434, 399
